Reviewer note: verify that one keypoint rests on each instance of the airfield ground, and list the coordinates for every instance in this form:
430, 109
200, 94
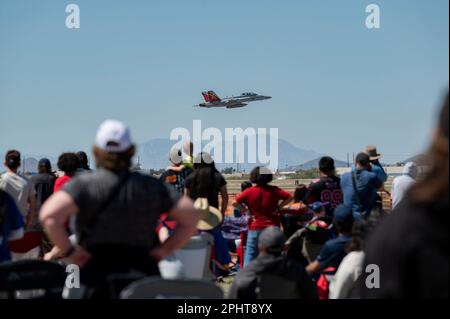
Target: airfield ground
288, 184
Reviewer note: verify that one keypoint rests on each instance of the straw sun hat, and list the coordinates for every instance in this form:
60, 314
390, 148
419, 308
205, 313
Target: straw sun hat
210, 217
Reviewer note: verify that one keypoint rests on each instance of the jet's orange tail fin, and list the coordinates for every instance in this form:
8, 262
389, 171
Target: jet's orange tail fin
213, 97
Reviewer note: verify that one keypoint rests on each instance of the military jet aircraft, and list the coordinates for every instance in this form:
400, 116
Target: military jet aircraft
213, 100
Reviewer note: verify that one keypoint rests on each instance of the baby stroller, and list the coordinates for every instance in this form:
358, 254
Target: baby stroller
305, 244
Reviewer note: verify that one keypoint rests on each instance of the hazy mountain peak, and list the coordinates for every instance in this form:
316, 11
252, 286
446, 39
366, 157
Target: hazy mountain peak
155, 154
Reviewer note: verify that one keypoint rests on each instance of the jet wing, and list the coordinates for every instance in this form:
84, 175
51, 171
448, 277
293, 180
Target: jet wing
232, 102
232, 106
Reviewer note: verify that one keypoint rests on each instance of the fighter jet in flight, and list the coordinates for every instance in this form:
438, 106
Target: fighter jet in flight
213, 100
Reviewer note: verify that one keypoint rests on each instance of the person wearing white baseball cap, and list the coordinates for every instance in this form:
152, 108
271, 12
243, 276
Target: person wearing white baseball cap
113, 148
116, 215
113, 136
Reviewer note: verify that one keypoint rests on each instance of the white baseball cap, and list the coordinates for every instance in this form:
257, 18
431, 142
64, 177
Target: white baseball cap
113, 137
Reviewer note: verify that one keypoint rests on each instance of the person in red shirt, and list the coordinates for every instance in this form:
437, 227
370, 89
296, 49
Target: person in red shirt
263, 201
68, 163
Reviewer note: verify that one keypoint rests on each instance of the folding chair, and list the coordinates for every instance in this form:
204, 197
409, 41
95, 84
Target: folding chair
157, 288
195, 257
32, 279
310, 250
313, 242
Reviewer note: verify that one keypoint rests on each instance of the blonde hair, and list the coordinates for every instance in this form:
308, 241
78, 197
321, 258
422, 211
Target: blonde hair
113, 161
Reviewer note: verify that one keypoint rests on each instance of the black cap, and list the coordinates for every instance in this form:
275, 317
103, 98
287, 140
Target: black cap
44, 162
272, 239
363, 159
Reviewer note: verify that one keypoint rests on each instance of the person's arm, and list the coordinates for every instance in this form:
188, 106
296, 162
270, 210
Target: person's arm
377, 182
54, 216
239, 206
322, 261
309, 195
186, 218
284, 196
285, 202
14, 219
239, 199
224, 195
313, 267
381, 173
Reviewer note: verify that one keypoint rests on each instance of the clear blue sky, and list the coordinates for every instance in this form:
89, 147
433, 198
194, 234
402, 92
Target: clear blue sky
336, 85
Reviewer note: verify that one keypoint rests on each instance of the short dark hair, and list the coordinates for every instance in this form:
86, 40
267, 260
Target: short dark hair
300, 192
69, 163
84, 161
260, 179
245, 185
362, 159
44, 166
344, 226
360, 232
204, 159
326, 165
12, 159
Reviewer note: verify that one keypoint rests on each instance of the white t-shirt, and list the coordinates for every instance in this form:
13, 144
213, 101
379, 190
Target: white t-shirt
348, 272
400, 185
19, 188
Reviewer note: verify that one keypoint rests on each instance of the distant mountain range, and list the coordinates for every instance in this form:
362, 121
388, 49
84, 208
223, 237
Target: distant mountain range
420, 159
155, 154
314, 164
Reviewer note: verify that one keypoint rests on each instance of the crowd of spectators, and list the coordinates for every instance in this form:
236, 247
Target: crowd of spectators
315, 243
